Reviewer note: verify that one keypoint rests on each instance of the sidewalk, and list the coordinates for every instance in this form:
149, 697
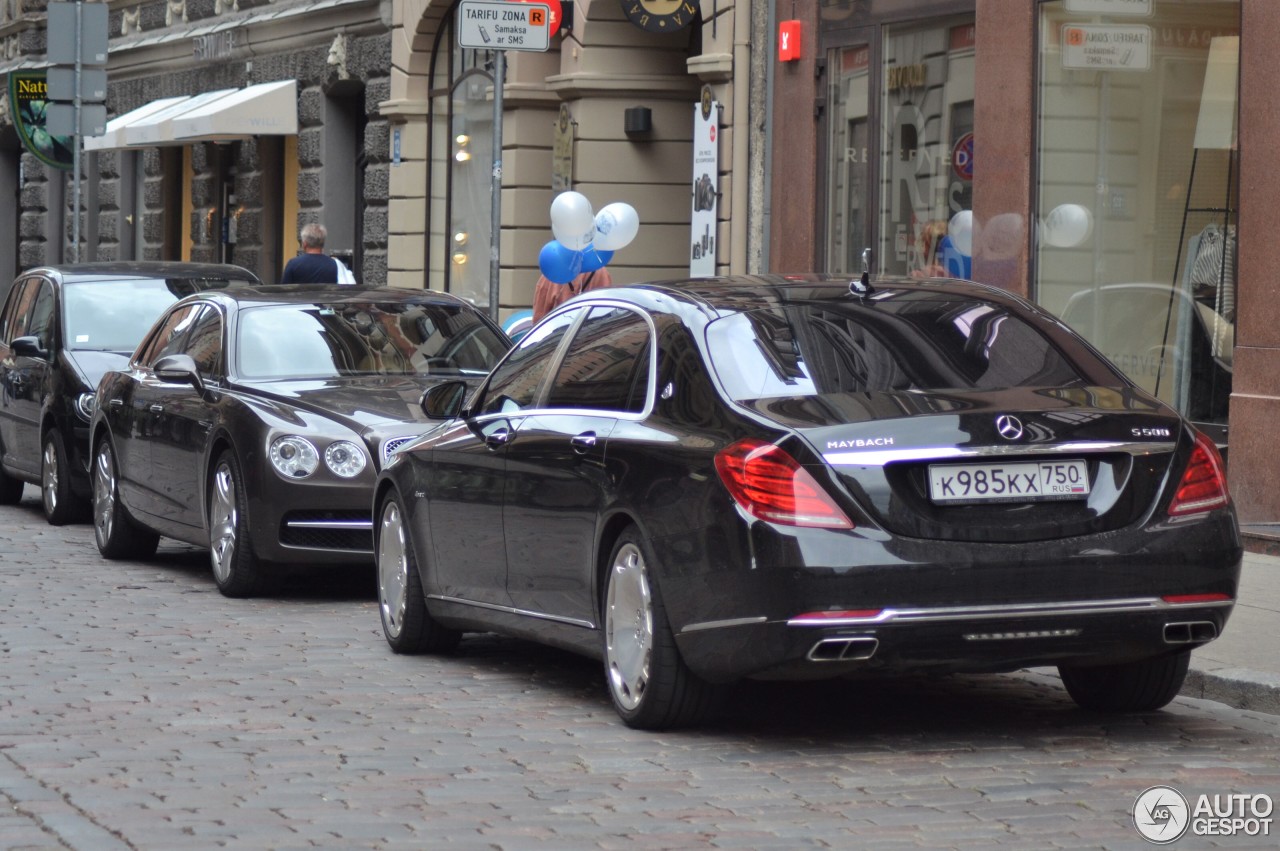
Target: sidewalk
1242, 667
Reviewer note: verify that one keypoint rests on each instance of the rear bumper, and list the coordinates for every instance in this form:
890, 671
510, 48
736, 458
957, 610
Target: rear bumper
939, 605
951, 639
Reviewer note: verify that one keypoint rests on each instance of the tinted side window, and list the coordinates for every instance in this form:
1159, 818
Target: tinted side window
19, 311
514, 385
607, 364
204, 344
167, 337
41, 325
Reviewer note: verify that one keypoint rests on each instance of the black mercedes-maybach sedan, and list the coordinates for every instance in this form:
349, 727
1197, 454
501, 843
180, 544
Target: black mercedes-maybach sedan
764, 477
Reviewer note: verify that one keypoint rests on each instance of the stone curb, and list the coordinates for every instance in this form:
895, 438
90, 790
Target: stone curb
1241, 688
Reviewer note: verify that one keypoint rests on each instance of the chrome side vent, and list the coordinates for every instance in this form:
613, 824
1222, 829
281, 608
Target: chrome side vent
392, 445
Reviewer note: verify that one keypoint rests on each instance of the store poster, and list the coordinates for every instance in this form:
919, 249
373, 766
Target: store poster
28, 101
706, 182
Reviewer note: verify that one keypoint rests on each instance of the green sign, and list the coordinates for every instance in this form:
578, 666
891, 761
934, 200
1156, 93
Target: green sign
28, 99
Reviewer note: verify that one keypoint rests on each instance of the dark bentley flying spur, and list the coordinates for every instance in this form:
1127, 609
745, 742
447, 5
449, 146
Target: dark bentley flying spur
253, 421
764, 477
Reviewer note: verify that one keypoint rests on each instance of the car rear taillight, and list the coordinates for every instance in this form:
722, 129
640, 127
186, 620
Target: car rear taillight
770, 485
1204, 485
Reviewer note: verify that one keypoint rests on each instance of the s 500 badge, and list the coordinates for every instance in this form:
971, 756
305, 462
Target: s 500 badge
1150, 432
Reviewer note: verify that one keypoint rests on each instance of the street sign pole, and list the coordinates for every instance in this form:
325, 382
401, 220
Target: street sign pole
75, 151
77, 38
495, 187
499, 25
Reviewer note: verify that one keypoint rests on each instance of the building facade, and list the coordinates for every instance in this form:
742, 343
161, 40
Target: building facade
232, 124
1092, 155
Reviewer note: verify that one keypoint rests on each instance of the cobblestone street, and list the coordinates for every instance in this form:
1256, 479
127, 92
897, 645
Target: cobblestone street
141, 709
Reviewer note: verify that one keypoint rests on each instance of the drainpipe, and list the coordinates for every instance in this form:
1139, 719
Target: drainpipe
740, 214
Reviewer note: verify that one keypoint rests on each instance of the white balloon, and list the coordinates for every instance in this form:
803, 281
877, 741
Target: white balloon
960, 229
1067, 225
615, 226
572, 220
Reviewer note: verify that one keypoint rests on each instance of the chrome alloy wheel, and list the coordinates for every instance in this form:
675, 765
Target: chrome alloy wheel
393, 570
104, 494
49, 480
628, 627
223, 523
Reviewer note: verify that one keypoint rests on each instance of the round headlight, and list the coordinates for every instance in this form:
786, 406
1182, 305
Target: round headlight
294, 457
85, 403
344, 458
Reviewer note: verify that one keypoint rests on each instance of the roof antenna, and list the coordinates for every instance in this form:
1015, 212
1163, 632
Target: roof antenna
861, 287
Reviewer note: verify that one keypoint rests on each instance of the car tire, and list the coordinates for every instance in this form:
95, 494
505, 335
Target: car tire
402, 606
1132, 687
237, 571
116, 533
61, 506
650, 685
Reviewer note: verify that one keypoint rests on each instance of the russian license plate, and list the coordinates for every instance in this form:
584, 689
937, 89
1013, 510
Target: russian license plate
1020, 482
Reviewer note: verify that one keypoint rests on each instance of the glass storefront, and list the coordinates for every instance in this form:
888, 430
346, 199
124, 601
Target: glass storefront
907, 190
1136, 150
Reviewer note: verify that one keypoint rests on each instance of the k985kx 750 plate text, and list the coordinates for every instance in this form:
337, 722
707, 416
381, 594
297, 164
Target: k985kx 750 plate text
1040, 480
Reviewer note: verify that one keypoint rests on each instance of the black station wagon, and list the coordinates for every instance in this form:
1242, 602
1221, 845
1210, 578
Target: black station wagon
62, 327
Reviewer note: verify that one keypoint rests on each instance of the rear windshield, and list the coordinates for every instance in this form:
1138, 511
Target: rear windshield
331, 340
114, 315
901, 341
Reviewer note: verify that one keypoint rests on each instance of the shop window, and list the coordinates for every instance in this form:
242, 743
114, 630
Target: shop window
1137, 165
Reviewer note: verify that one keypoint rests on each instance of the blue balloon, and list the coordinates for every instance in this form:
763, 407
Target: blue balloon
559, 264
594, 258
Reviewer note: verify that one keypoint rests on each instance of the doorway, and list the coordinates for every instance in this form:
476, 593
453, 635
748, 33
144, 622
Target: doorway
898, 147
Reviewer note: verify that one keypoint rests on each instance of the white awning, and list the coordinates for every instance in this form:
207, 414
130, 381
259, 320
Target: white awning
266, 109
114, 137
155, 129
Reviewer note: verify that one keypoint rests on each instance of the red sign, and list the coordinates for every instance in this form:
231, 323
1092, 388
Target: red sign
788, 41
962, 157
555, 14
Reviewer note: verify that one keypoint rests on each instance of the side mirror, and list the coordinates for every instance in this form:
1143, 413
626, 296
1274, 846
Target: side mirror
444, 400
179, 369
28, 347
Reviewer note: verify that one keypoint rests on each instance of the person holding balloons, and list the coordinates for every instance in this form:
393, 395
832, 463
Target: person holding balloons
548, 295
574, 262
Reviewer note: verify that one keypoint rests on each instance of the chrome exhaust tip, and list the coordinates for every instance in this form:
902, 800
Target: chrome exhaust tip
1190, 632
852, 649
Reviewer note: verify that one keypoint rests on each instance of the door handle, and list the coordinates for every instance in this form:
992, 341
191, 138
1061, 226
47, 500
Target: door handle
157, 409
583, 443
498, 438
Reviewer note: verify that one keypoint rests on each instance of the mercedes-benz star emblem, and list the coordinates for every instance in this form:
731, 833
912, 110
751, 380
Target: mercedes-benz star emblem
1010, 428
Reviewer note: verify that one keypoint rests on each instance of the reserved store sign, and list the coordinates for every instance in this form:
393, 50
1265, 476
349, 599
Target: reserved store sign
1106, 47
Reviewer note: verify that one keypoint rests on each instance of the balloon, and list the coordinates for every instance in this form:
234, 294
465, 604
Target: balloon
559, 264
615, 226
1067, 225
572, 221
960, 229
593, 258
